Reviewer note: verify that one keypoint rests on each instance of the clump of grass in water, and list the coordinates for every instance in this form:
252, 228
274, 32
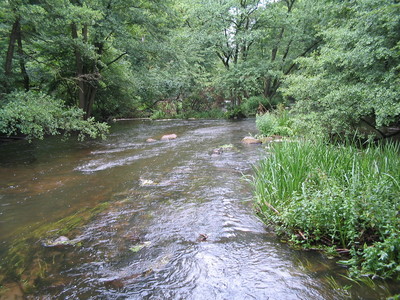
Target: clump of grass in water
338, 196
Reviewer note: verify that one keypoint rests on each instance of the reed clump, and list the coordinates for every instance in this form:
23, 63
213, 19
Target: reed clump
340, 197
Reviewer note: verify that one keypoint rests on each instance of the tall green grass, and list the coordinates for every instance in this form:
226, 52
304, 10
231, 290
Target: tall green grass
336, 196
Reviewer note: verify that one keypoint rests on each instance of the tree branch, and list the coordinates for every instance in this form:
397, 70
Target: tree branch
114, 60
303, 54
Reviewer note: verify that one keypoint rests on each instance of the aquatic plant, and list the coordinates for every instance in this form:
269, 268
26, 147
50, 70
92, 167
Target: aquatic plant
341, 196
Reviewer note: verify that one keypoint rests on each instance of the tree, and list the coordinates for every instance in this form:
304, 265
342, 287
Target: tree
73, 46
225, 30
255, 41
12, 15
100, 34
353, 78
288, 34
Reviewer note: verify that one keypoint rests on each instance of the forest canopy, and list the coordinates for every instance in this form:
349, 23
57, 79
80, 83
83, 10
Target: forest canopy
336, 63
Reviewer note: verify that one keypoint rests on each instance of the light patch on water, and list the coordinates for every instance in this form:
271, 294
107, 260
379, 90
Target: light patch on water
108, 163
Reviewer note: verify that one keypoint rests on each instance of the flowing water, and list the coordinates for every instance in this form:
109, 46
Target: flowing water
179, 223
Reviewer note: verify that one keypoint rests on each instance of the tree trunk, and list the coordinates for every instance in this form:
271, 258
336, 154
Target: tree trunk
87, 74
16, 35
79, 69
21, 55
11, 46
91, 95
267, 87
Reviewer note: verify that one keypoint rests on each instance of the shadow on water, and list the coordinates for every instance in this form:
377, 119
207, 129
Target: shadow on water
175, 221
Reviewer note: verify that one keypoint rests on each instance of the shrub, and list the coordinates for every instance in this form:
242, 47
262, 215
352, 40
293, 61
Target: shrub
35, 114
158, 114
235, 112
215, 113
252, 104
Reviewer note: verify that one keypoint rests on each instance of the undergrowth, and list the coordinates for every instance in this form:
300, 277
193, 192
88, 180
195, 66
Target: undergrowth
335, 196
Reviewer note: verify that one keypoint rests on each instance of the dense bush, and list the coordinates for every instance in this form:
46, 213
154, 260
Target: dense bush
251, 106
277, 122
235, 112
339, 197
34, 115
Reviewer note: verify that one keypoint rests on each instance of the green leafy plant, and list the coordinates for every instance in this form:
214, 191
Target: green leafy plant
158, 114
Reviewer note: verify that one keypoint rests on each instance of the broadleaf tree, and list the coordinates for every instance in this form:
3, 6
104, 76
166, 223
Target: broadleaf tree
353, 78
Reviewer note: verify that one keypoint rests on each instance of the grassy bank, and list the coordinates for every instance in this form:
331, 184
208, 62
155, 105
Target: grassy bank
337, 197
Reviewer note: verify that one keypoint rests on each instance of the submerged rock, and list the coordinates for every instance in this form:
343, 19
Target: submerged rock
216, 152
60, 242
227, 147
202, 237
168, 137
146, 182
250, 140
139, 247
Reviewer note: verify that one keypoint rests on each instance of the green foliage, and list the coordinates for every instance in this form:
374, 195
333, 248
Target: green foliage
252, 105
91, 54
112, 58
158, 114
353, 76
277, 122
235, 112
338, 196
35, 115
383, 258
248, 47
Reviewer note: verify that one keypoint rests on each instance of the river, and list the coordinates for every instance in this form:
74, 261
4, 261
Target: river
179, 221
